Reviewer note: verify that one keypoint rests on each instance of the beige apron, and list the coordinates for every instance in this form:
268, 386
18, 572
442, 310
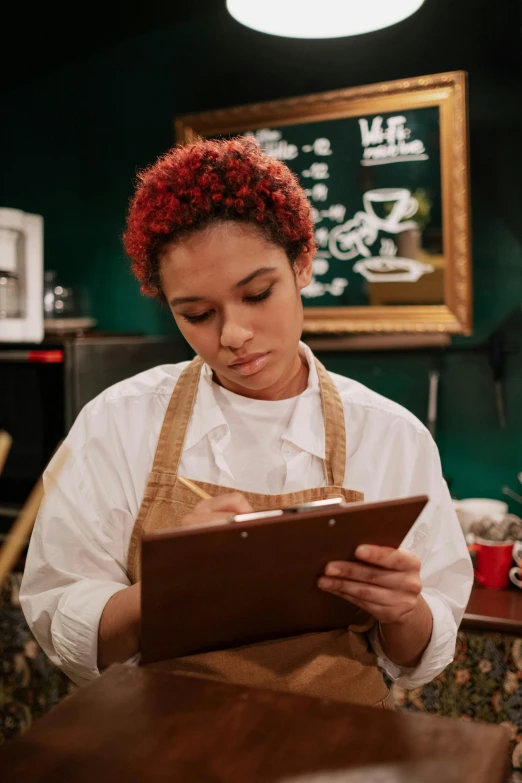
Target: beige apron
336, 665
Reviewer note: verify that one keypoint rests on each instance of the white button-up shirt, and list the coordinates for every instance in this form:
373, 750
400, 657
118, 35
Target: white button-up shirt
77, 557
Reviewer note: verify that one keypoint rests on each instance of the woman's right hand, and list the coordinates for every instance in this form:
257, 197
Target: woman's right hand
118, 632
218, 509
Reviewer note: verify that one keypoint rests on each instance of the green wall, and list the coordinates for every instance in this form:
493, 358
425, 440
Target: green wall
71, 142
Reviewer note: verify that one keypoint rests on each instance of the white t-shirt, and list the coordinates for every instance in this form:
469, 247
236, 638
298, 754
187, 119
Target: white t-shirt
77, 557
261, 424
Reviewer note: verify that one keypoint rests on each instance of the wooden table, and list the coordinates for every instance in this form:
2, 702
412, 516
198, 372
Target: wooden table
150, 726
494, 610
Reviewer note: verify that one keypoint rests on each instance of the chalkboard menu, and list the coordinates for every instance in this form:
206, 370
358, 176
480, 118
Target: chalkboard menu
385, 170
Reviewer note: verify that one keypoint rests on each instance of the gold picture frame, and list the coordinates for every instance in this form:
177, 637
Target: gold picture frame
448, 92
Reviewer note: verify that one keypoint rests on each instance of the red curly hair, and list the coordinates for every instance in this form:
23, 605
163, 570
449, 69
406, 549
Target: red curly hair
190, 187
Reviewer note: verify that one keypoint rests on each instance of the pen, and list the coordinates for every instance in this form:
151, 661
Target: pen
194, 488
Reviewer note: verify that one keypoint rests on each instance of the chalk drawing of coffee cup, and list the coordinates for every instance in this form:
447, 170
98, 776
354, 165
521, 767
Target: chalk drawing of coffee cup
403, 206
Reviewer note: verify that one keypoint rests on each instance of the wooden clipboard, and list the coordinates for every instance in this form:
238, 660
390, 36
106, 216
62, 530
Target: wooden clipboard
226, 585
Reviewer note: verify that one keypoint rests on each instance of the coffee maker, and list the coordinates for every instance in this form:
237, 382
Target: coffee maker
21, 273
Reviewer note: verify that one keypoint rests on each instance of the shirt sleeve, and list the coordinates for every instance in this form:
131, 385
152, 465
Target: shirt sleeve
446, 570
77, 555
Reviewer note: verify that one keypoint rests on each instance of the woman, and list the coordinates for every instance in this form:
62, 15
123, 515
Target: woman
223, 234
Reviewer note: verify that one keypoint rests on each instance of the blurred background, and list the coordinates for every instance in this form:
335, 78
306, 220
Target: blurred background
88, 96
87, 101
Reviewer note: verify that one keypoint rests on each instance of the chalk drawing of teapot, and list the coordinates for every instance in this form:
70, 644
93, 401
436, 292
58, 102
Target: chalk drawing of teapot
352, 239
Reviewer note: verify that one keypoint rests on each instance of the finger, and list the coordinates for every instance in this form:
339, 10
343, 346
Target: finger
362, 592
205, 517
234, 502
380, 596
386, 557
407, 581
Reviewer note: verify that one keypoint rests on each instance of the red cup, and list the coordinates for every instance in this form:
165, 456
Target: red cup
493, 561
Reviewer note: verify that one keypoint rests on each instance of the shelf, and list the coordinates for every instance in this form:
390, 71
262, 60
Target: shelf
494, 610
378, 342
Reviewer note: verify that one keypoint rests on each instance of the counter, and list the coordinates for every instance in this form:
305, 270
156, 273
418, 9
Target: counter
144, 724
494, 610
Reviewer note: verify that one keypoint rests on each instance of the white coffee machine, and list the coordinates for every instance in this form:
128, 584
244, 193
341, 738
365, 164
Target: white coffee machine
21, 276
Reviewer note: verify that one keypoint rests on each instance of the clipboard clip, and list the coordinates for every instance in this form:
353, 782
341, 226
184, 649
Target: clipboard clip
298, 509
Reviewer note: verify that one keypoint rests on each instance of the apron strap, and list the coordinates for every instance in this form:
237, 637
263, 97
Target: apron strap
177, 418
334, 429
179, 412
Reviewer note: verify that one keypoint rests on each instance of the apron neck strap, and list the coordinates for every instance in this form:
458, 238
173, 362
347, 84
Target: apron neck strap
334, 428
177, 418
179, 412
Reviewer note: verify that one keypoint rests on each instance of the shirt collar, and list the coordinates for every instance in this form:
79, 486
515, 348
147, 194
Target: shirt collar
206, 415
305, 430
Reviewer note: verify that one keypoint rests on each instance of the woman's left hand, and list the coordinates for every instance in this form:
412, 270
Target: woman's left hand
384, 582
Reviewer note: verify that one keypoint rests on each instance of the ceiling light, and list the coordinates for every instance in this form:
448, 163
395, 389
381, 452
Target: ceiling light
320, 18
